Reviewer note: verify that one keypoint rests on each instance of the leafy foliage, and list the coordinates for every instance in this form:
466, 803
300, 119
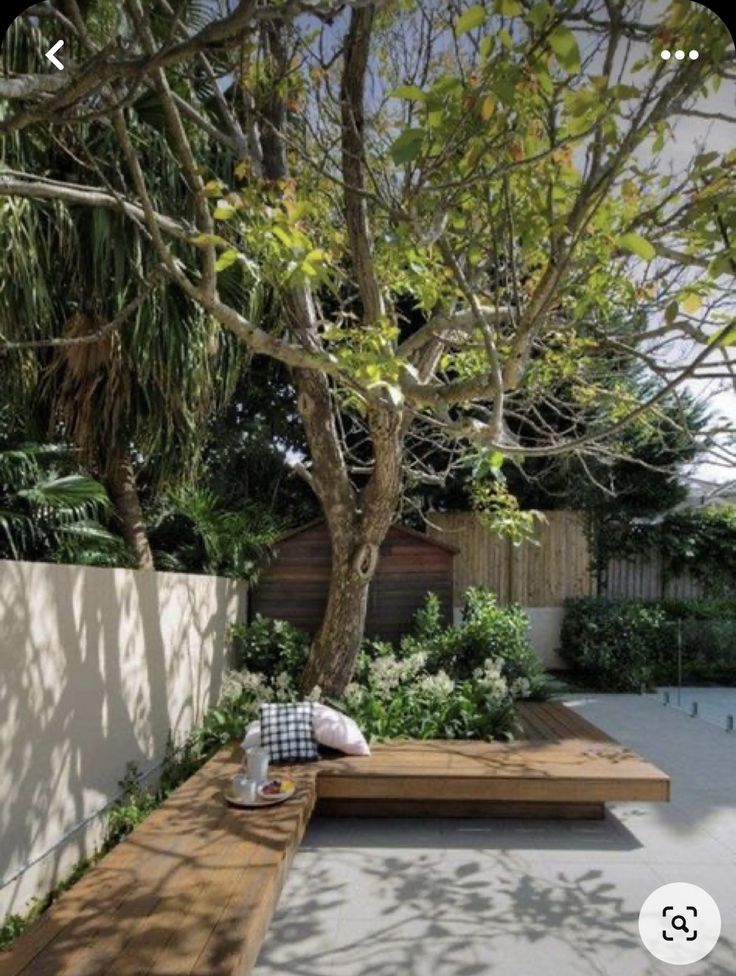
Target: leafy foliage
192, 530
441, 682
48, 512
486, 630
701, 542
269, 647
624, 645
133, 807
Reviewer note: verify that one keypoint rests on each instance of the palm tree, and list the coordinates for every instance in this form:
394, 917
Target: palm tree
47, 513
135, 403
193, 530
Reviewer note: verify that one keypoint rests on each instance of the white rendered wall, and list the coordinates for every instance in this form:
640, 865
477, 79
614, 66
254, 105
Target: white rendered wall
96, 665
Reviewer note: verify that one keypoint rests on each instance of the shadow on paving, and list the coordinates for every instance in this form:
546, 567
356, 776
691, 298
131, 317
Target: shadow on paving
433, 916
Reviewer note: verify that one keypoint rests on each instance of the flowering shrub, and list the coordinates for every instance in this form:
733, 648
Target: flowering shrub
487, 631
441, 682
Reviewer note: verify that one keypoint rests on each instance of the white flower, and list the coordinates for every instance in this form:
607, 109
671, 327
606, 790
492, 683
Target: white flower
492, 680
440, 684
385, 673
520, 688
354, 693
283, 681
315, 694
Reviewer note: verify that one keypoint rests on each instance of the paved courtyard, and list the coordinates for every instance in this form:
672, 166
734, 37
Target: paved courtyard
509, 898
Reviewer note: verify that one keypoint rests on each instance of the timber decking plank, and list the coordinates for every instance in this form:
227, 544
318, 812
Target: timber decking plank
580, 727
191, 891
140, 860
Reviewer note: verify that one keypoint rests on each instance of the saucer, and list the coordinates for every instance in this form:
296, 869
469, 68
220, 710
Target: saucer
260, 800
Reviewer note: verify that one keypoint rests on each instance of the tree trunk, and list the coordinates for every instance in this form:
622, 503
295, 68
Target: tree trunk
124, 494
336, 645
355, 543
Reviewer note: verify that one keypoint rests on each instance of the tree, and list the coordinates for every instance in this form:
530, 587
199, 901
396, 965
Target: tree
132, 401
46, 511
499, 164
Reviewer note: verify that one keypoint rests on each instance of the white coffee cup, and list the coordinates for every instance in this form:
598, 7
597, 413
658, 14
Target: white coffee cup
244, 788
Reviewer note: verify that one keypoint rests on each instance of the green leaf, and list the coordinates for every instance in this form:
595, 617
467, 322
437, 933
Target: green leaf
283, 235
727, 339
486, 46
226, 259
407, 146
508, 8
213, 188
722, 264
565, 48
207, 239
638, 245
539, 14
703, 160
581, 101
412, 93
670, 313
223, 210
473, 17
691, 302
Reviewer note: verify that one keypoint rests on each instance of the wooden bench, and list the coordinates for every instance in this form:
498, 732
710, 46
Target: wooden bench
192, 890
564, 768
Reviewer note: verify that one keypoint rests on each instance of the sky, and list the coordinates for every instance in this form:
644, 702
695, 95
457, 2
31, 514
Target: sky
718, 136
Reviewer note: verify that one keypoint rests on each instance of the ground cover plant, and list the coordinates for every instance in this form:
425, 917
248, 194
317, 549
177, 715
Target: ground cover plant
627, 645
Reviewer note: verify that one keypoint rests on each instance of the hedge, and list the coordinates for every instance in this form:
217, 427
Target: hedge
624, 645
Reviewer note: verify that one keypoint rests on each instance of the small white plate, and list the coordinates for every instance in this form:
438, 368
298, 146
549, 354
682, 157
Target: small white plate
260, 800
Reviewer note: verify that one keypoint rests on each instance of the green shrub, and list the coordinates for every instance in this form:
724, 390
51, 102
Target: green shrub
622, 645
440, 682
487, 631
269, 647
132, 808
614, 644
12, 926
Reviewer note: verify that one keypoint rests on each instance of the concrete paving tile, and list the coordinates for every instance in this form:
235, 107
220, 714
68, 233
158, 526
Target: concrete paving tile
411, 947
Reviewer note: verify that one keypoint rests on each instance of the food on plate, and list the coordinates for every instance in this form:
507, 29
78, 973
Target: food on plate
274, 787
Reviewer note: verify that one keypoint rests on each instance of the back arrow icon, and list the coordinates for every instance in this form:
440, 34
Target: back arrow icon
52, 51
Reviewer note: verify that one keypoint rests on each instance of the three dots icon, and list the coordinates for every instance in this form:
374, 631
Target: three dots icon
679, 55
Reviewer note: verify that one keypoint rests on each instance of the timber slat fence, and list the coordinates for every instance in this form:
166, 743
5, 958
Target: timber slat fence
558, 567
533, 575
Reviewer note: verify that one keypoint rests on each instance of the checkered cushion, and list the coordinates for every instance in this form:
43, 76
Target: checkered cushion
287, 731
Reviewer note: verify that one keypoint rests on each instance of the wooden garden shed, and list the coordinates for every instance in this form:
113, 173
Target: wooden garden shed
294, 585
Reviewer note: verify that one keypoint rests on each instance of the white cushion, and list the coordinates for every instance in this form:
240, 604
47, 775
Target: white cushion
331, 728
338, 731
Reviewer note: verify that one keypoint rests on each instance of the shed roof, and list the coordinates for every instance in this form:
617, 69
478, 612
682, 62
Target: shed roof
437, 543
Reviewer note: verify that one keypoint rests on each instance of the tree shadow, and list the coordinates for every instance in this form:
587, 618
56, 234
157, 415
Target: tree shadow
96, 666
484, 912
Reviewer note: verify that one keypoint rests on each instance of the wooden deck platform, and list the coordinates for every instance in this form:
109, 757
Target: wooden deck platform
192, 890
564, 767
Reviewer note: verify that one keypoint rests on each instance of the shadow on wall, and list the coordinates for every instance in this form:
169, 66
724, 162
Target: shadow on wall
96, 666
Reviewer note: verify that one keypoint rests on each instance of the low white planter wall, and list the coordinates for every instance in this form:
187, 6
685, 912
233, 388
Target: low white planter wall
545, 624
96, 666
